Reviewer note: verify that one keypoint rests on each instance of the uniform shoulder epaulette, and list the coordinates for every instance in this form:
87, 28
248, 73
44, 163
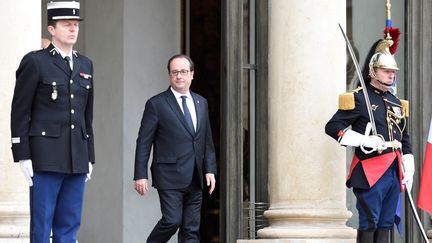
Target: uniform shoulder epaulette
405, 107
347, 101
36, 51
357, 89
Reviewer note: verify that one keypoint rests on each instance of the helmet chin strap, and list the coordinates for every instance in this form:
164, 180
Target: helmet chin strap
388, 85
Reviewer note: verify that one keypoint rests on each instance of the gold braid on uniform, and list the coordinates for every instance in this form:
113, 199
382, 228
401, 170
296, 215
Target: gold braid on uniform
405, 107
347, 100
396, 119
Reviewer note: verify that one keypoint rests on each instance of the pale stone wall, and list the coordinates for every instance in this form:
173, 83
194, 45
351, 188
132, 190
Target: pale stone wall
20, 35
129, 42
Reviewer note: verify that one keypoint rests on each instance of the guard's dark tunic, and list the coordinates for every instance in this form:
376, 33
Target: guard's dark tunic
390, 123
51, 118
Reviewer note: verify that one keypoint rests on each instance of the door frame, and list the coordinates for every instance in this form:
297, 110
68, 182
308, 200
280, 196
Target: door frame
418, 88
231, 166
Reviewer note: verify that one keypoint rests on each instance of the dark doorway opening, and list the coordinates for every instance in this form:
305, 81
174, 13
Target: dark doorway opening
202, 41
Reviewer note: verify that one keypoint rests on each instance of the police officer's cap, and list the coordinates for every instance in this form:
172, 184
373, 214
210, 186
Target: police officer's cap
63, 10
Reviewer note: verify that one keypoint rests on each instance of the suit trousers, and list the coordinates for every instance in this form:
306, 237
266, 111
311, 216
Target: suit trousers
181, 209
56, 201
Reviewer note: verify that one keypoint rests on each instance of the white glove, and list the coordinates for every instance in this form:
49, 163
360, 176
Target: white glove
408, 166
373, 142
351, 138
27, 170
88, 176
368, 143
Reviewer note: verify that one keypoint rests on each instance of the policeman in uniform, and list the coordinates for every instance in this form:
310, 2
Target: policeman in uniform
383, 164
51, 126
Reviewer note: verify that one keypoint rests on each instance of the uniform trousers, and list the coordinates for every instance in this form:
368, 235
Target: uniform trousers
181, 209
377, 205
56, 201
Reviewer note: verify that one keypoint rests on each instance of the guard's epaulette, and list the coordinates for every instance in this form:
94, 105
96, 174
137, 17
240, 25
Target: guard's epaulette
36, 51
405, 107
347, 101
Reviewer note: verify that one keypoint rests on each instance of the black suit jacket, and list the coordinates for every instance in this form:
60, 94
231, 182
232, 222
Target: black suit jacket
54, 131
176, 149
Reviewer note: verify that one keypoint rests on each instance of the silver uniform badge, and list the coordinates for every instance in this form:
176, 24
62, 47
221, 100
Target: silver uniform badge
397, 110
54, 93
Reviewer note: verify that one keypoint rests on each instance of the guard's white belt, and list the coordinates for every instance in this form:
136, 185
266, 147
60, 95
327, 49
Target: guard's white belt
395, 144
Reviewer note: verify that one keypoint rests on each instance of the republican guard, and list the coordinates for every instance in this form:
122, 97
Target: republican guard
383, 164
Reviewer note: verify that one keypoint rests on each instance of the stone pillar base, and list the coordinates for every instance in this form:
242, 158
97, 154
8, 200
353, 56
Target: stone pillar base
305, 232
298, 241
308, 225
14, 223
14, 240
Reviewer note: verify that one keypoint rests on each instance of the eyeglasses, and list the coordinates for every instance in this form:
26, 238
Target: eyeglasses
183, 72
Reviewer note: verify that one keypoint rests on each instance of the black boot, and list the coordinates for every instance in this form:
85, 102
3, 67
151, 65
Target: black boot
365, 236
381, 236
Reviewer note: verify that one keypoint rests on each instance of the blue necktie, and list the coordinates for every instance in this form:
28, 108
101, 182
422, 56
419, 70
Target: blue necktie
187, 114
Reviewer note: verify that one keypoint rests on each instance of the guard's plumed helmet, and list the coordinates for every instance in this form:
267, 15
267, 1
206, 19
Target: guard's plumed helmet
382, 57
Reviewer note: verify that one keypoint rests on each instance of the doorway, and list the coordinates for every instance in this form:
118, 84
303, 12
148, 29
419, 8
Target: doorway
227, 40
201, 41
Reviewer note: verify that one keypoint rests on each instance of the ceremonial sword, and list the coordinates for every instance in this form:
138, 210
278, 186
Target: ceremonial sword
362, 82
417, 219
374, 131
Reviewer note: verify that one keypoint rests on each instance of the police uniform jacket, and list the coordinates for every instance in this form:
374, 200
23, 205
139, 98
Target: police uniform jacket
390, 120
52, 112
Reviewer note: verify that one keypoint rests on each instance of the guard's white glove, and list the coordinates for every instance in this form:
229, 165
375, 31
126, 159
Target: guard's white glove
351, 138
368, 143
27, 170
408, 166
88, 176
373, 142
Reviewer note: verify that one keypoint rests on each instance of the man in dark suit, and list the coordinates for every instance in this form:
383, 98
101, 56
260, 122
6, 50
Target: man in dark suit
51, 126
176, 124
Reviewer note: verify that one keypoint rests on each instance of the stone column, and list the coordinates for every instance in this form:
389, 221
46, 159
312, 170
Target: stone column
307, 59
21, 33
